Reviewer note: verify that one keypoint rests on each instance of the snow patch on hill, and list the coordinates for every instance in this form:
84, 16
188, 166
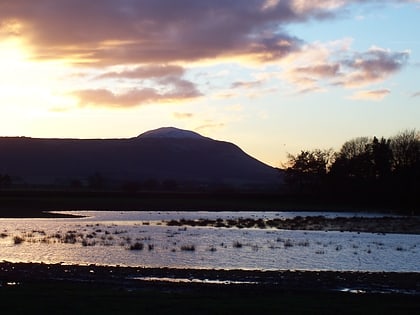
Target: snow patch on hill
171, 132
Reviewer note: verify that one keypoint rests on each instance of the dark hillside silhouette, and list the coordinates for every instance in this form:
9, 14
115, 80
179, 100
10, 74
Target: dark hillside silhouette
166, 156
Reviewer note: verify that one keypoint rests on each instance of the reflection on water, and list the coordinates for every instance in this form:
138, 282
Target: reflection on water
184, 280
141, 239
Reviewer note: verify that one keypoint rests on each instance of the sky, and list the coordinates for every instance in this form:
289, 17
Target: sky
272, 76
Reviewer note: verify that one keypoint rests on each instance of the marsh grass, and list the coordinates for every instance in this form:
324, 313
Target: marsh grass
237, 244
188, 248
18, 240
137, 246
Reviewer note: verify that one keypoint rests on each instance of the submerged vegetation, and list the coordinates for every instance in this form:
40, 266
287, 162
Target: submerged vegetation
387, 224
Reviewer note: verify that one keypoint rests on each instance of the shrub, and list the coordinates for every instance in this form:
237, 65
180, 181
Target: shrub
137, 246
237, 244
288, 243
189, 248
18, 240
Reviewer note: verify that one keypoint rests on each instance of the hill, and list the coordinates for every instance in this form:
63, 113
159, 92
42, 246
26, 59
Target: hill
167, 154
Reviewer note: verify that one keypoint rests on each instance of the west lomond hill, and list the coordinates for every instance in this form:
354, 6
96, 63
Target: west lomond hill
165, 154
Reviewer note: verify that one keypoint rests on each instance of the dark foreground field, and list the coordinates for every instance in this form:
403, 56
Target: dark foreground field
85, 298
57, 289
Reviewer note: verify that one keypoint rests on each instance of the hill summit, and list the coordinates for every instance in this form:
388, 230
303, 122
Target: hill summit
162, 155
171, 132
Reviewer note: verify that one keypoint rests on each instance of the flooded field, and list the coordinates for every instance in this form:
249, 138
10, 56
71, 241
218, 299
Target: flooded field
145, 239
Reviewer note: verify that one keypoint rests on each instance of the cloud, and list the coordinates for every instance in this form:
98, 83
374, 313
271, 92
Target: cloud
10, 27
308, 6
320, 65
146, 84
321, 70
172, 89
150, 40
372, 66
162, 31
145, 72
209, 126
417, 94
178, 115
104, 97
145, 31
246, 84
371, 95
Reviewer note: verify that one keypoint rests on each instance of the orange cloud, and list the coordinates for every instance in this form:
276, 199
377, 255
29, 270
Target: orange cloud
371, 95
145, 72
178, 90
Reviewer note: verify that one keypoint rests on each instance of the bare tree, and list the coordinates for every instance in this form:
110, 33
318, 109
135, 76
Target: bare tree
406, 149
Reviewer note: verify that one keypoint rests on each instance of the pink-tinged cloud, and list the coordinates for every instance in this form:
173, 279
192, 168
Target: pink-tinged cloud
144, 31
164, 83
371, 95
103, 97
320, 70
246, 84
173, 89
323, 65
110, 32
372, 66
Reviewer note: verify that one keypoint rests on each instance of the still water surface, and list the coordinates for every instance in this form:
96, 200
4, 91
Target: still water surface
141, 238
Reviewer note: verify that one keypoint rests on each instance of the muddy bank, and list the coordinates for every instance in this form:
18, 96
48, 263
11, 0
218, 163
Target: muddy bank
28, 288
138, 277
400, 225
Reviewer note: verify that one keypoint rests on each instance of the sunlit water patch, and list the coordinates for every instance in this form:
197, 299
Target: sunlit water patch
142, 239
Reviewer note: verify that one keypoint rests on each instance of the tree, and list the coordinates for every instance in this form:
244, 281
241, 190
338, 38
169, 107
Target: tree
406, 149
406, 168
382, 156
354, 148
308, 168
354, 159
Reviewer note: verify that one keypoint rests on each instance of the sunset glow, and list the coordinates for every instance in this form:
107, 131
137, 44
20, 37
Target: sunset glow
274, 77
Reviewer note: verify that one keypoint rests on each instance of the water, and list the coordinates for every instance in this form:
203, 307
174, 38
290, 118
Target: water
108, 238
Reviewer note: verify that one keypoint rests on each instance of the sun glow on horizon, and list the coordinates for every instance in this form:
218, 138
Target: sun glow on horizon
28, 88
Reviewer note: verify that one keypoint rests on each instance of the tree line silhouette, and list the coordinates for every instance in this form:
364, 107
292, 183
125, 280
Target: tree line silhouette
375, 171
